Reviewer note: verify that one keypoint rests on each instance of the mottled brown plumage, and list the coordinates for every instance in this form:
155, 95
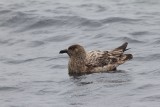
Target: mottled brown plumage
95, 61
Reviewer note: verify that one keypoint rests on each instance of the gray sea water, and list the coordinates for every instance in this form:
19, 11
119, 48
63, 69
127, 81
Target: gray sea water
33, 74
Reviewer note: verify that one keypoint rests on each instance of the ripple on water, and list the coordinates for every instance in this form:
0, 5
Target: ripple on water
129, 39
146, 86
140, 33
6, 88
36, 43
16, 18
81, 21
94, 7
58, 66
70, 21
116, 78
58, 38
119, 19
27, 21
44, 22
156, 42
10, 42
151, 57
61, 21
2, 12
14, 61
155, 98
7, 41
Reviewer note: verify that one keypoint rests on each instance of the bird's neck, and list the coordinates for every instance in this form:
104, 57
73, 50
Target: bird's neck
77, 65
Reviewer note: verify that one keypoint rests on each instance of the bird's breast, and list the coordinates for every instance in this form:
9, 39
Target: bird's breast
76, 66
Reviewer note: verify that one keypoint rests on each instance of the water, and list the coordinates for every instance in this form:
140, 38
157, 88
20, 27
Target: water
33, 74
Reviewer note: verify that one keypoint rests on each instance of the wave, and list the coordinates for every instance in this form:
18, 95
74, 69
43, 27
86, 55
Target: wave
14, 61
140, 33
146, 86
94, 7
58, 66
61, 21
78, 21
36, 43
119, 19
2, 12
58, 38
7, 41
16, 19
24, 21
7, 88
10, 42
152, 57
157, 42
151, 98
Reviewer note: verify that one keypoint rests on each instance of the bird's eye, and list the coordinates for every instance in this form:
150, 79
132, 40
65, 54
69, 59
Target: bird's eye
71, 48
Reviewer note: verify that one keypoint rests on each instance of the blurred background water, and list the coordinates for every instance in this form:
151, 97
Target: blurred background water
33, 74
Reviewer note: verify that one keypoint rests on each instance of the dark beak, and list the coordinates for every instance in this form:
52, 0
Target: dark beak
63, 51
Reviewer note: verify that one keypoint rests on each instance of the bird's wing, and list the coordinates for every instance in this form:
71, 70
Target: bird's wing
97, 58
103, 58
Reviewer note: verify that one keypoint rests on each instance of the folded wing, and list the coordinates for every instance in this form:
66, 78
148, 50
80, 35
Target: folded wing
103, 58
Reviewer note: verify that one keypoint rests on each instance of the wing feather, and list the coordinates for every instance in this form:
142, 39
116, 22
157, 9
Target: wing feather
97, 58
103, 58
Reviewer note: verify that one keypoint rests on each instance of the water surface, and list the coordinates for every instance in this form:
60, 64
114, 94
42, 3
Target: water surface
33, 74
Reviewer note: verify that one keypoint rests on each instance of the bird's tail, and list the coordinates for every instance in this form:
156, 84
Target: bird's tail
123, 47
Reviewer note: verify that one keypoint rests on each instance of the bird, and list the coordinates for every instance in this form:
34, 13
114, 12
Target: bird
83, 62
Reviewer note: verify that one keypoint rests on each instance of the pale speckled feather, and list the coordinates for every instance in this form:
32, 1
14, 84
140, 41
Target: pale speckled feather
97, 58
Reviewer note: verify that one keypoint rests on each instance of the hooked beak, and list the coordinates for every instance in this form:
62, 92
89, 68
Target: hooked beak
63, 51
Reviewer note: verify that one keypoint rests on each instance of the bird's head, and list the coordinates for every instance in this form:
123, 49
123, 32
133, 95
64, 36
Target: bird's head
75, 51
